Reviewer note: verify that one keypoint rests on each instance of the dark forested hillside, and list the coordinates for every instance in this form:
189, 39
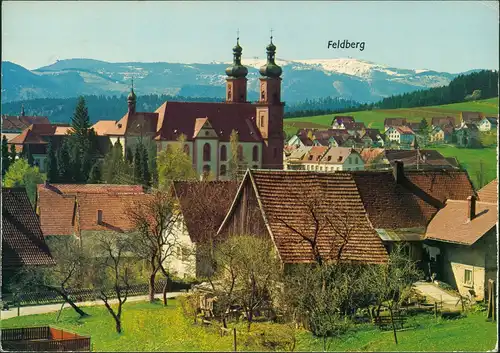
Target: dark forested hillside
459, 89
113, 108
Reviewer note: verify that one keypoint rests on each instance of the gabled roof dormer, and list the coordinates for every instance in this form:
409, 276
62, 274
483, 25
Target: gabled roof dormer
203, 129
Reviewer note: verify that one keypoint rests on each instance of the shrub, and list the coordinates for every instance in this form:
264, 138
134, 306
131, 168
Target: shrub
189, 305
271, 337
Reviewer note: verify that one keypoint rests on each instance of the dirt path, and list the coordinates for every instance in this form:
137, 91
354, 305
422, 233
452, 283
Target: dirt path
42, 309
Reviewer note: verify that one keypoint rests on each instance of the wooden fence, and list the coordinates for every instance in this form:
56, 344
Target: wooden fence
87, 294
43, 339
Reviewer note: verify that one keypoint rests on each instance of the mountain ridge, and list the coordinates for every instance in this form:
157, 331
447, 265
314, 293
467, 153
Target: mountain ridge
354, 79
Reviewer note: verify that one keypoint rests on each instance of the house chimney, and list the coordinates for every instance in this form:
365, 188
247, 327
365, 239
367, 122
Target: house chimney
398, 171
99, 216
472, 207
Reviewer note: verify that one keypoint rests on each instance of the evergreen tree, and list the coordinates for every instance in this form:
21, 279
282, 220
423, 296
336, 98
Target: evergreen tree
64, 162
5, 155
138, 165
28, 155
146, 175
76, 164
129, 156
95, 173
13, 154
52, 170
81, 121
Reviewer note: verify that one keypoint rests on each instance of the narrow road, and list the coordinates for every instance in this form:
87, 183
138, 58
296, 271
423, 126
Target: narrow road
436, 294
42, 309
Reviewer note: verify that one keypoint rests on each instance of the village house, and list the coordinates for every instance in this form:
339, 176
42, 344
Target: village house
341, 158
372, 138
374, 158
207, 127
442, 121
402, 135
354, 128
35, 138
487, 123
311, 160
23, 244
81, 210
293, 159
465, 234
467, 135
399, 203
276, 204
301, 139
203, 206
13, 125
339, 121
471, 117
436, 135
394, 122
418, 159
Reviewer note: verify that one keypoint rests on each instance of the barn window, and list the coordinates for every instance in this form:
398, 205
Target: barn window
255, 153
206, 152
223, 170
223, 153
240, 153
186, 149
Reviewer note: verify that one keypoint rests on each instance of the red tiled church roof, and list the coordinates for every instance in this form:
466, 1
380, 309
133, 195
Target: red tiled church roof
177, 118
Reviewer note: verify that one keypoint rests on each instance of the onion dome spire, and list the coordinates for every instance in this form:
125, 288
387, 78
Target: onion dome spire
131, 96
237, 70
271, 69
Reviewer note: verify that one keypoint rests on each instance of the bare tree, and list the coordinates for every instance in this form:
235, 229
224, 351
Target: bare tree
66, 274
155, 220
113, 266
321, 222
247, 274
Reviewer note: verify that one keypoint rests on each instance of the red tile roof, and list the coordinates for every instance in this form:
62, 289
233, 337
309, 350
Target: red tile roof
204, 205
135, 123
284, 195
489, 193
451, 224
22, 239
394, 122
411, 204
315, 154
57, 204
405, 130
427, 158
443, 121
176, 118
19, 123
34, 133
343, 119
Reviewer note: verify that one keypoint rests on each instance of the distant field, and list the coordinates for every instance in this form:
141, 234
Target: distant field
375, 118
470, 159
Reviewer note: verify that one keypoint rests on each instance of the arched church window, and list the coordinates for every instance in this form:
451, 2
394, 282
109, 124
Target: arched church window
240, 153
223, 153
206, 152
255, 153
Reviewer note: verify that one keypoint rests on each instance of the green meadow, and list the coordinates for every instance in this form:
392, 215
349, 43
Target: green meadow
152, 327
375, 118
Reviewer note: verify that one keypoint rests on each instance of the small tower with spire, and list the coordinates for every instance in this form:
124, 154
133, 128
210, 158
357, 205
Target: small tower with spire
131, 99
270, 110
236, 82
270, 82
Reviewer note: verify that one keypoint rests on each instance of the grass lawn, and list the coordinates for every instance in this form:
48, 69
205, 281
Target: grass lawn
375, 118
151, 327
470, 158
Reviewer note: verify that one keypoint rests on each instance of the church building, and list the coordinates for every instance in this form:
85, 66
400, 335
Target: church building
207, 127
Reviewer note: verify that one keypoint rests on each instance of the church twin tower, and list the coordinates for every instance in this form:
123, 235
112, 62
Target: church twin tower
269, 108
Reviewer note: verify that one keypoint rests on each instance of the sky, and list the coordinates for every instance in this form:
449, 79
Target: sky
451, 36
